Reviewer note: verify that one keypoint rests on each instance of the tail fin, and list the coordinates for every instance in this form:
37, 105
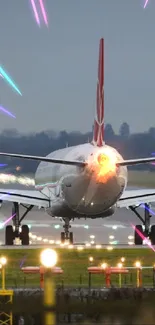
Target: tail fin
98, 132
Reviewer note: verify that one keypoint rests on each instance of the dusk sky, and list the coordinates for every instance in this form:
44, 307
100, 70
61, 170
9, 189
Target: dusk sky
55, 68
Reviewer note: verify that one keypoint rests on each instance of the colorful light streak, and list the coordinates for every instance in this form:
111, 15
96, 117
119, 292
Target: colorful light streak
35, 12
146, 3
43, 12
36, 15
6, 221
4, 110
143, 237
3, 165
8, 79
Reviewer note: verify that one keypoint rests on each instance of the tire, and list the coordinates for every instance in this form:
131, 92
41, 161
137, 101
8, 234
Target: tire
71, 238
138, 239
152, 235
25, 235
9, 235
62, 237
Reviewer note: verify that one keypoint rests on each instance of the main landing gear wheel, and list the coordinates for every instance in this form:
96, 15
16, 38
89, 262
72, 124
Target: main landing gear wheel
14, 232
66, 235
146, 230
9, 235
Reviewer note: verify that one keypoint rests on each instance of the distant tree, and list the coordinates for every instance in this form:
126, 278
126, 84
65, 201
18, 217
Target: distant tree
124, 130
109, 132
152, 132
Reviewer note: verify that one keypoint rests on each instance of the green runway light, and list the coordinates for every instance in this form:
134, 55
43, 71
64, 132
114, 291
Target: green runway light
57, 226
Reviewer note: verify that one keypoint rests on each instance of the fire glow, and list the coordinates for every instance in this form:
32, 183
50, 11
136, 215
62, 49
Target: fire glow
104, 166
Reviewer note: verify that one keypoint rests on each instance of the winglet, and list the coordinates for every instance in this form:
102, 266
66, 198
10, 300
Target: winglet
98, 132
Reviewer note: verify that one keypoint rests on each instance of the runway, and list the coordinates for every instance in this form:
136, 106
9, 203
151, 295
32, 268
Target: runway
46, 230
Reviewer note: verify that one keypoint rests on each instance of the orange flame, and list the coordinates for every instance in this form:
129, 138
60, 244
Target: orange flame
104, 166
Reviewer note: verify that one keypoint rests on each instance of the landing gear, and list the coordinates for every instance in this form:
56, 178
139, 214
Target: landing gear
66, 235
147, 230
16, 231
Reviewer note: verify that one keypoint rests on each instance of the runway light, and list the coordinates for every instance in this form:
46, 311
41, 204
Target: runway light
119, 265
70, 246
92, 236
109, 248
48, 258
98, 246
58, 242
91, 259
122, 259
130, 237
138, 264
80, 248
88, 245
104, 266
114, 227
92, 242
57, 226
51, 241
130, 243
111, 237
3, 260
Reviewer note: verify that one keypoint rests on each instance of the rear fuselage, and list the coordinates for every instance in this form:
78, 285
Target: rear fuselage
76, 191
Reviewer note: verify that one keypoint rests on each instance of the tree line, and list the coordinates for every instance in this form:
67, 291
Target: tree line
129, 145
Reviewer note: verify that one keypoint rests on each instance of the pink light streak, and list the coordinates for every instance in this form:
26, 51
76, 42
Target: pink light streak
43, 12
142, 237
146, 3
35, 12
6, 221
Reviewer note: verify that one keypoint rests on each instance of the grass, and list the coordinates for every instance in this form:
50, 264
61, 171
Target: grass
141, 178
75, 263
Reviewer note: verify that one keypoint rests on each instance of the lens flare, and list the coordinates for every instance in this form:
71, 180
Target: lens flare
146, 3
142, 237
4, 110
43, 12
35, 12
8, 79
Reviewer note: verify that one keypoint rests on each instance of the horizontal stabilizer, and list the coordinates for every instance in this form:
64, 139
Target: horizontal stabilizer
46, 159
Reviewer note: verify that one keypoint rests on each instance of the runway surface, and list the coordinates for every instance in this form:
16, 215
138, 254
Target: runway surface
45, 229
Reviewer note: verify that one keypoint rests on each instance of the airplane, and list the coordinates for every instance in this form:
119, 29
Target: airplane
83, 181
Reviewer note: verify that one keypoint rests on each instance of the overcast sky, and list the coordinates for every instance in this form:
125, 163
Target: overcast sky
56, 67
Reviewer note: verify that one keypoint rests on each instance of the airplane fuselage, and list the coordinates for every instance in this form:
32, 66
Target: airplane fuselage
81, 192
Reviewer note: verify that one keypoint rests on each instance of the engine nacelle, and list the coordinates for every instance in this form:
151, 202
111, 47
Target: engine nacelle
106, 213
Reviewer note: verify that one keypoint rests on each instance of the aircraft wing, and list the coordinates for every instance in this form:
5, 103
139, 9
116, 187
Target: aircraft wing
136, 197
31, 197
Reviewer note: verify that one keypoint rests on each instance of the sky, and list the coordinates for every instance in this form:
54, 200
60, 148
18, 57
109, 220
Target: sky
55, 68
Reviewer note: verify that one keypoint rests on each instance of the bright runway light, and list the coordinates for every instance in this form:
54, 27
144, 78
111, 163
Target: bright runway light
80, 248
119, 265
138, 264
130, 243
91, 259
48, 258
122, 259
109, 248
111, 237
114, 227
92, 236
130, 237
98, 246
104, 266
88, 245
3, 260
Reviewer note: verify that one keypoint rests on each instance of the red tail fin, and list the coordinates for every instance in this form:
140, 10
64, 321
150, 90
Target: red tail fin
98, 133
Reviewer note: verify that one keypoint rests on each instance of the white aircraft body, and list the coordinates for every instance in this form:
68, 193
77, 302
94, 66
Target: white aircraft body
84, 181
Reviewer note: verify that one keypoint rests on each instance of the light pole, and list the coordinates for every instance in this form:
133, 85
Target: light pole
120, 265
138, 267
48, 259
3, 262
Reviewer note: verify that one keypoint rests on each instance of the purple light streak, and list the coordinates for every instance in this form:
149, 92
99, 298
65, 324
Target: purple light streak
35, 12
146, 3
43, 12
142, 237
6, 221
7, 112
